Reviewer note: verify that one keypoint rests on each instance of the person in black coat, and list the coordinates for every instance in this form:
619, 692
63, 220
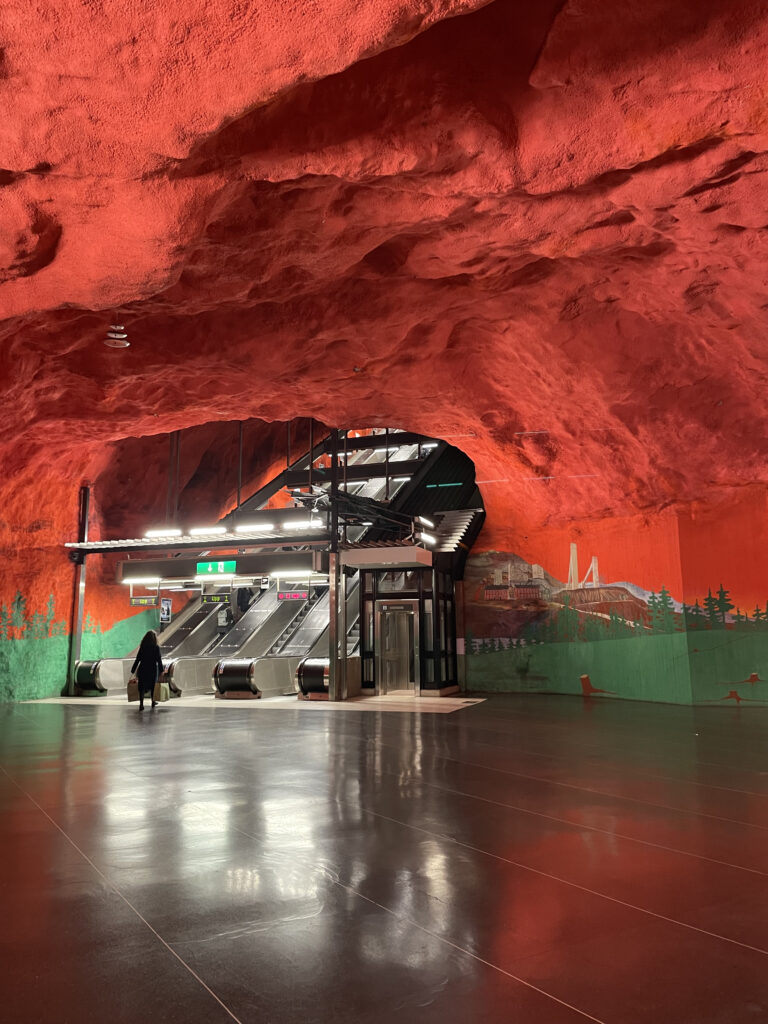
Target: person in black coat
149, 665
244, 596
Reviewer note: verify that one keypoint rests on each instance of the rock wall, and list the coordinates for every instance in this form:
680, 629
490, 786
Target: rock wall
538, 231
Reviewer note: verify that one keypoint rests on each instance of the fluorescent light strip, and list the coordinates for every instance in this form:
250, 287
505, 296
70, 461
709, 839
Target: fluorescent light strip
298, 574
143, 581
399, 479
216, 577
428, 538
207, 531
168, 532
255, 528
426, 522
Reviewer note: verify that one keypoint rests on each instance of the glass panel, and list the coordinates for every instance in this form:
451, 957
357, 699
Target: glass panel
426, 631
398, 581
368, 619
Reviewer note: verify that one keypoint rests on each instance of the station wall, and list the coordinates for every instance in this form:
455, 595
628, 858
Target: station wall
129, 490
678, 615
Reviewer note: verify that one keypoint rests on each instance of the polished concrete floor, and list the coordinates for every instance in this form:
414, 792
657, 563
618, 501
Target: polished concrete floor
528, 859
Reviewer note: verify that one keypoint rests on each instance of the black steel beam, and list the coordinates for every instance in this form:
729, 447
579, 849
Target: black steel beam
255, 564
357, 444
377, 471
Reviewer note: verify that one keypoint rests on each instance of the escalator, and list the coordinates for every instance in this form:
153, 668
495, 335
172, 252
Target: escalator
199, 639
279, 618
277, 634
180, 639
259, 610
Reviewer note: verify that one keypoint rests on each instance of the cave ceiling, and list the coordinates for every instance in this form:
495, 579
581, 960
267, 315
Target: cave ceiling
539, 230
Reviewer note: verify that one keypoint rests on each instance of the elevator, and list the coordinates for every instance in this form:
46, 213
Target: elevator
407, 631
397, 629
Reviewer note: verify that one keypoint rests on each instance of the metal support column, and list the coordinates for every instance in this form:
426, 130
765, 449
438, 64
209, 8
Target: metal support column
239, 464
178, 478
346, 458
336, 679
437, 612
78, 592
386, 464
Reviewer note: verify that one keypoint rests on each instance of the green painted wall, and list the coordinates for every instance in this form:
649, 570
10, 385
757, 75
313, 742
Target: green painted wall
527, 632
637, 668
121, 639
34, 649
725, 662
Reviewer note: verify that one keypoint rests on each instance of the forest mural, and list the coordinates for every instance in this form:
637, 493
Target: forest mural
34, 646
582, 633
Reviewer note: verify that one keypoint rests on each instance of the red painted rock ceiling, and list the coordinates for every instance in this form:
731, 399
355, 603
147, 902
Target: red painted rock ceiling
540, 230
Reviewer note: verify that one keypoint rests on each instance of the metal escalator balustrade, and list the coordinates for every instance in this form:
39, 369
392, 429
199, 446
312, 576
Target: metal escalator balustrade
260, 608
186, 637
313, 610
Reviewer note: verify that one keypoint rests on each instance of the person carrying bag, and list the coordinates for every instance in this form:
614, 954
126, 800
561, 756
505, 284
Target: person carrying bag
147, 668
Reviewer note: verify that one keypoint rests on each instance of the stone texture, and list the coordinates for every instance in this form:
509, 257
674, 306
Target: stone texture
538, 231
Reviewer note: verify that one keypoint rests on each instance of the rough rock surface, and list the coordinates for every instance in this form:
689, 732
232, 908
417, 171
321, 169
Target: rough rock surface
540, 230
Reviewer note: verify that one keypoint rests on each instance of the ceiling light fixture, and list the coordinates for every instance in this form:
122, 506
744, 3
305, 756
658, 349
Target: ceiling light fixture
207, 531
117, 337
167, 532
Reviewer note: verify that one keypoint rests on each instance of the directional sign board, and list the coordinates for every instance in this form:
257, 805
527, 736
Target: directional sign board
216, 599
216, 568
292, 595
144, 602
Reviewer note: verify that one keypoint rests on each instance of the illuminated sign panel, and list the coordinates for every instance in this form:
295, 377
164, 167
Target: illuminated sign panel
144, 602
292, 595
216, 568
216, 599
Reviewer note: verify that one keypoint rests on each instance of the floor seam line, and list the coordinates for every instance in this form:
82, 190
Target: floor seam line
592, 828
120, 894
598, 792
468, 952
579, 825
614, 796
330, 875
574, 885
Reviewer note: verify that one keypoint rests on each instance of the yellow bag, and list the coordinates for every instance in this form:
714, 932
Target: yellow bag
162, 692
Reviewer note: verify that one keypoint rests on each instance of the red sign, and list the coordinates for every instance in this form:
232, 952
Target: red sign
292, 595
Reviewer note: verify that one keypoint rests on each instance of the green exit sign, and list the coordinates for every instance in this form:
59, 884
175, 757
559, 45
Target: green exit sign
216, 568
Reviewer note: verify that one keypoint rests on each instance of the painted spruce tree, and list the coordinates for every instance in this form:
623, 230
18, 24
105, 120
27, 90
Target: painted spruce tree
712, 610
724, 603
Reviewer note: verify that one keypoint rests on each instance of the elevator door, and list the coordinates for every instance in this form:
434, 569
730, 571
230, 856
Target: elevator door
397, 644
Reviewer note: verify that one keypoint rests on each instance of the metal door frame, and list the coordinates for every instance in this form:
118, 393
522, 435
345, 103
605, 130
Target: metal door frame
412, 604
